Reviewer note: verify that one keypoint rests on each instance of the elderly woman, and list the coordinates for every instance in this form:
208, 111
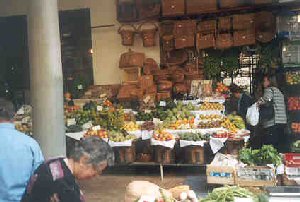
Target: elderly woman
274, 126
55, 180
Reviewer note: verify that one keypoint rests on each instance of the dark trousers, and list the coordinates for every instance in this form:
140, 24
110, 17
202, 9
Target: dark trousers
275, 135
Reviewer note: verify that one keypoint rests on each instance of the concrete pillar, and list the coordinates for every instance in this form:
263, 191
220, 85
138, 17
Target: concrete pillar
46, 80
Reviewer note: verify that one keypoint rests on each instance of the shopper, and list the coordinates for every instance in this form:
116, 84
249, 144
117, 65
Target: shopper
244, 100
20, 155
274, 127
55, 179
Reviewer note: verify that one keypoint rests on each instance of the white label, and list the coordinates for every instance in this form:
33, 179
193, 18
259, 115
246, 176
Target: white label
99, 108
71, 122
162, 103
147, 111
80, 87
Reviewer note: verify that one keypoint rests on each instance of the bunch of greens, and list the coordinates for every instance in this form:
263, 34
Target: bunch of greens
259, 157
228, 194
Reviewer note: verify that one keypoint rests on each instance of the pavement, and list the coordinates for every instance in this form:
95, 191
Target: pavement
111, 186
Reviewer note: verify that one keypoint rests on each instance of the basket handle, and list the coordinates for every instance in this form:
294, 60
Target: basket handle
127, 25
147, 23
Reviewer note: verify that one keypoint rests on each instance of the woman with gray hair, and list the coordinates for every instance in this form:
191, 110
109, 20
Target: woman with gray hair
54, 180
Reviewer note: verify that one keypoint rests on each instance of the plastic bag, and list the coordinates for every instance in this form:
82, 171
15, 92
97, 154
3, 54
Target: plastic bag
252, 116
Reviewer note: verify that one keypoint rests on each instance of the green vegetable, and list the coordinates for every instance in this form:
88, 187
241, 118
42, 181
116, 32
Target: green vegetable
227, 194
266, 155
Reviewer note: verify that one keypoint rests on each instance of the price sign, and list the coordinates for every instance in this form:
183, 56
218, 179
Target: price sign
71, 122
99, 108
162, 103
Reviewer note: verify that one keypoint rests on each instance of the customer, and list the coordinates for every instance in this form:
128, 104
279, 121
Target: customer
55, 179
20, 155
244, 100
274, 127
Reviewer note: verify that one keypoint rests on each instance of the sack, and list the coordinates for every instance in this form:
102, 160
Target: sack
127, 33
148, 9
131, 59
126, 11
252, 115
173, 7
148, 34
200, 6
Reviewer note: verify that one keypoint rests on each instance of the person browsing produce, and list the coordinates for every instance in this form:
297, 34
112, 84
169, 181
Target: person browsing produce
55, 180
20, 155
274, 126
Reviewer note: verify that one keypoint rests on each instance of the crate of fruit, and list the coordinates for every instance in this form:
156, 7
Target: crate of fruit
163, 144
255, 176
220, 175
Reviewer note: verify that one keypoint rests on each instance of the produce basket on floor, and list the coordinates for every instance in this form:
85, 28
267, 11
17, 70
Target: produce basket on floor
124, 152
194, 154
164, 155
220, 175
255, 176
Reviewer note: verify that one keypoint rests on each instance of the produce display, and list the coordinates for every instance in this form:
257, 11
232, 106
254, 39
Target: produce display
24, 128
222, 88
210, 124
237, 121
100, 133
293, 103
228, 194
293, 78
258, 157
295, 127
131, 126
162, 135
211, 117
148, 125
229, 125
194, 136
120, 136
212, 106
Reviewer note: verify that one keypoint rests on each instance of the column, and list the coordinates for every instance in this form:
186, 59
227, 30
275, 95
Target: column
46, 80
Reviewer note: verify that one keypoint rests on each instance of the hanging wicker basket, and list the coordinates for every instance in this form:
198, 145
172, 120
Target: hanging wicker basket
127, 33
148, 33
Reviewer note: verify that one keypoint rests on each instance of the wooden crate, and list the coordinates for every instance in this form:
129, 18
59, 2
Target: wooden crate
255, 176
220, 175
164, 155
194, 155
124, 155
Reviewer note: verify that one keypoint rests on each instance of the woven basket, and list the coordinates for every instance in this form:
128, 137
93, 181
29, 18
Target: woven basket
231, 3
224, 41
243, 37
245, 21
265, 26
208, 26
163, 95
200, 6
204, 41
224, 23
127, 33
148, 34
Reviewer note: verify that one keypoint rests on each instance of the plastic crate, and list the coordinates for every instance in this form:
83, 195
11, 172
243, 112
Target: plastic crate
292, 159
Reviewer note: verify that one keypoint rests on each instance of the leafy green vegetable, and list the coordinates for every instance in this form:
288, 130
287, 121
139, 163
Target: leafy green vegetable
266, 155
